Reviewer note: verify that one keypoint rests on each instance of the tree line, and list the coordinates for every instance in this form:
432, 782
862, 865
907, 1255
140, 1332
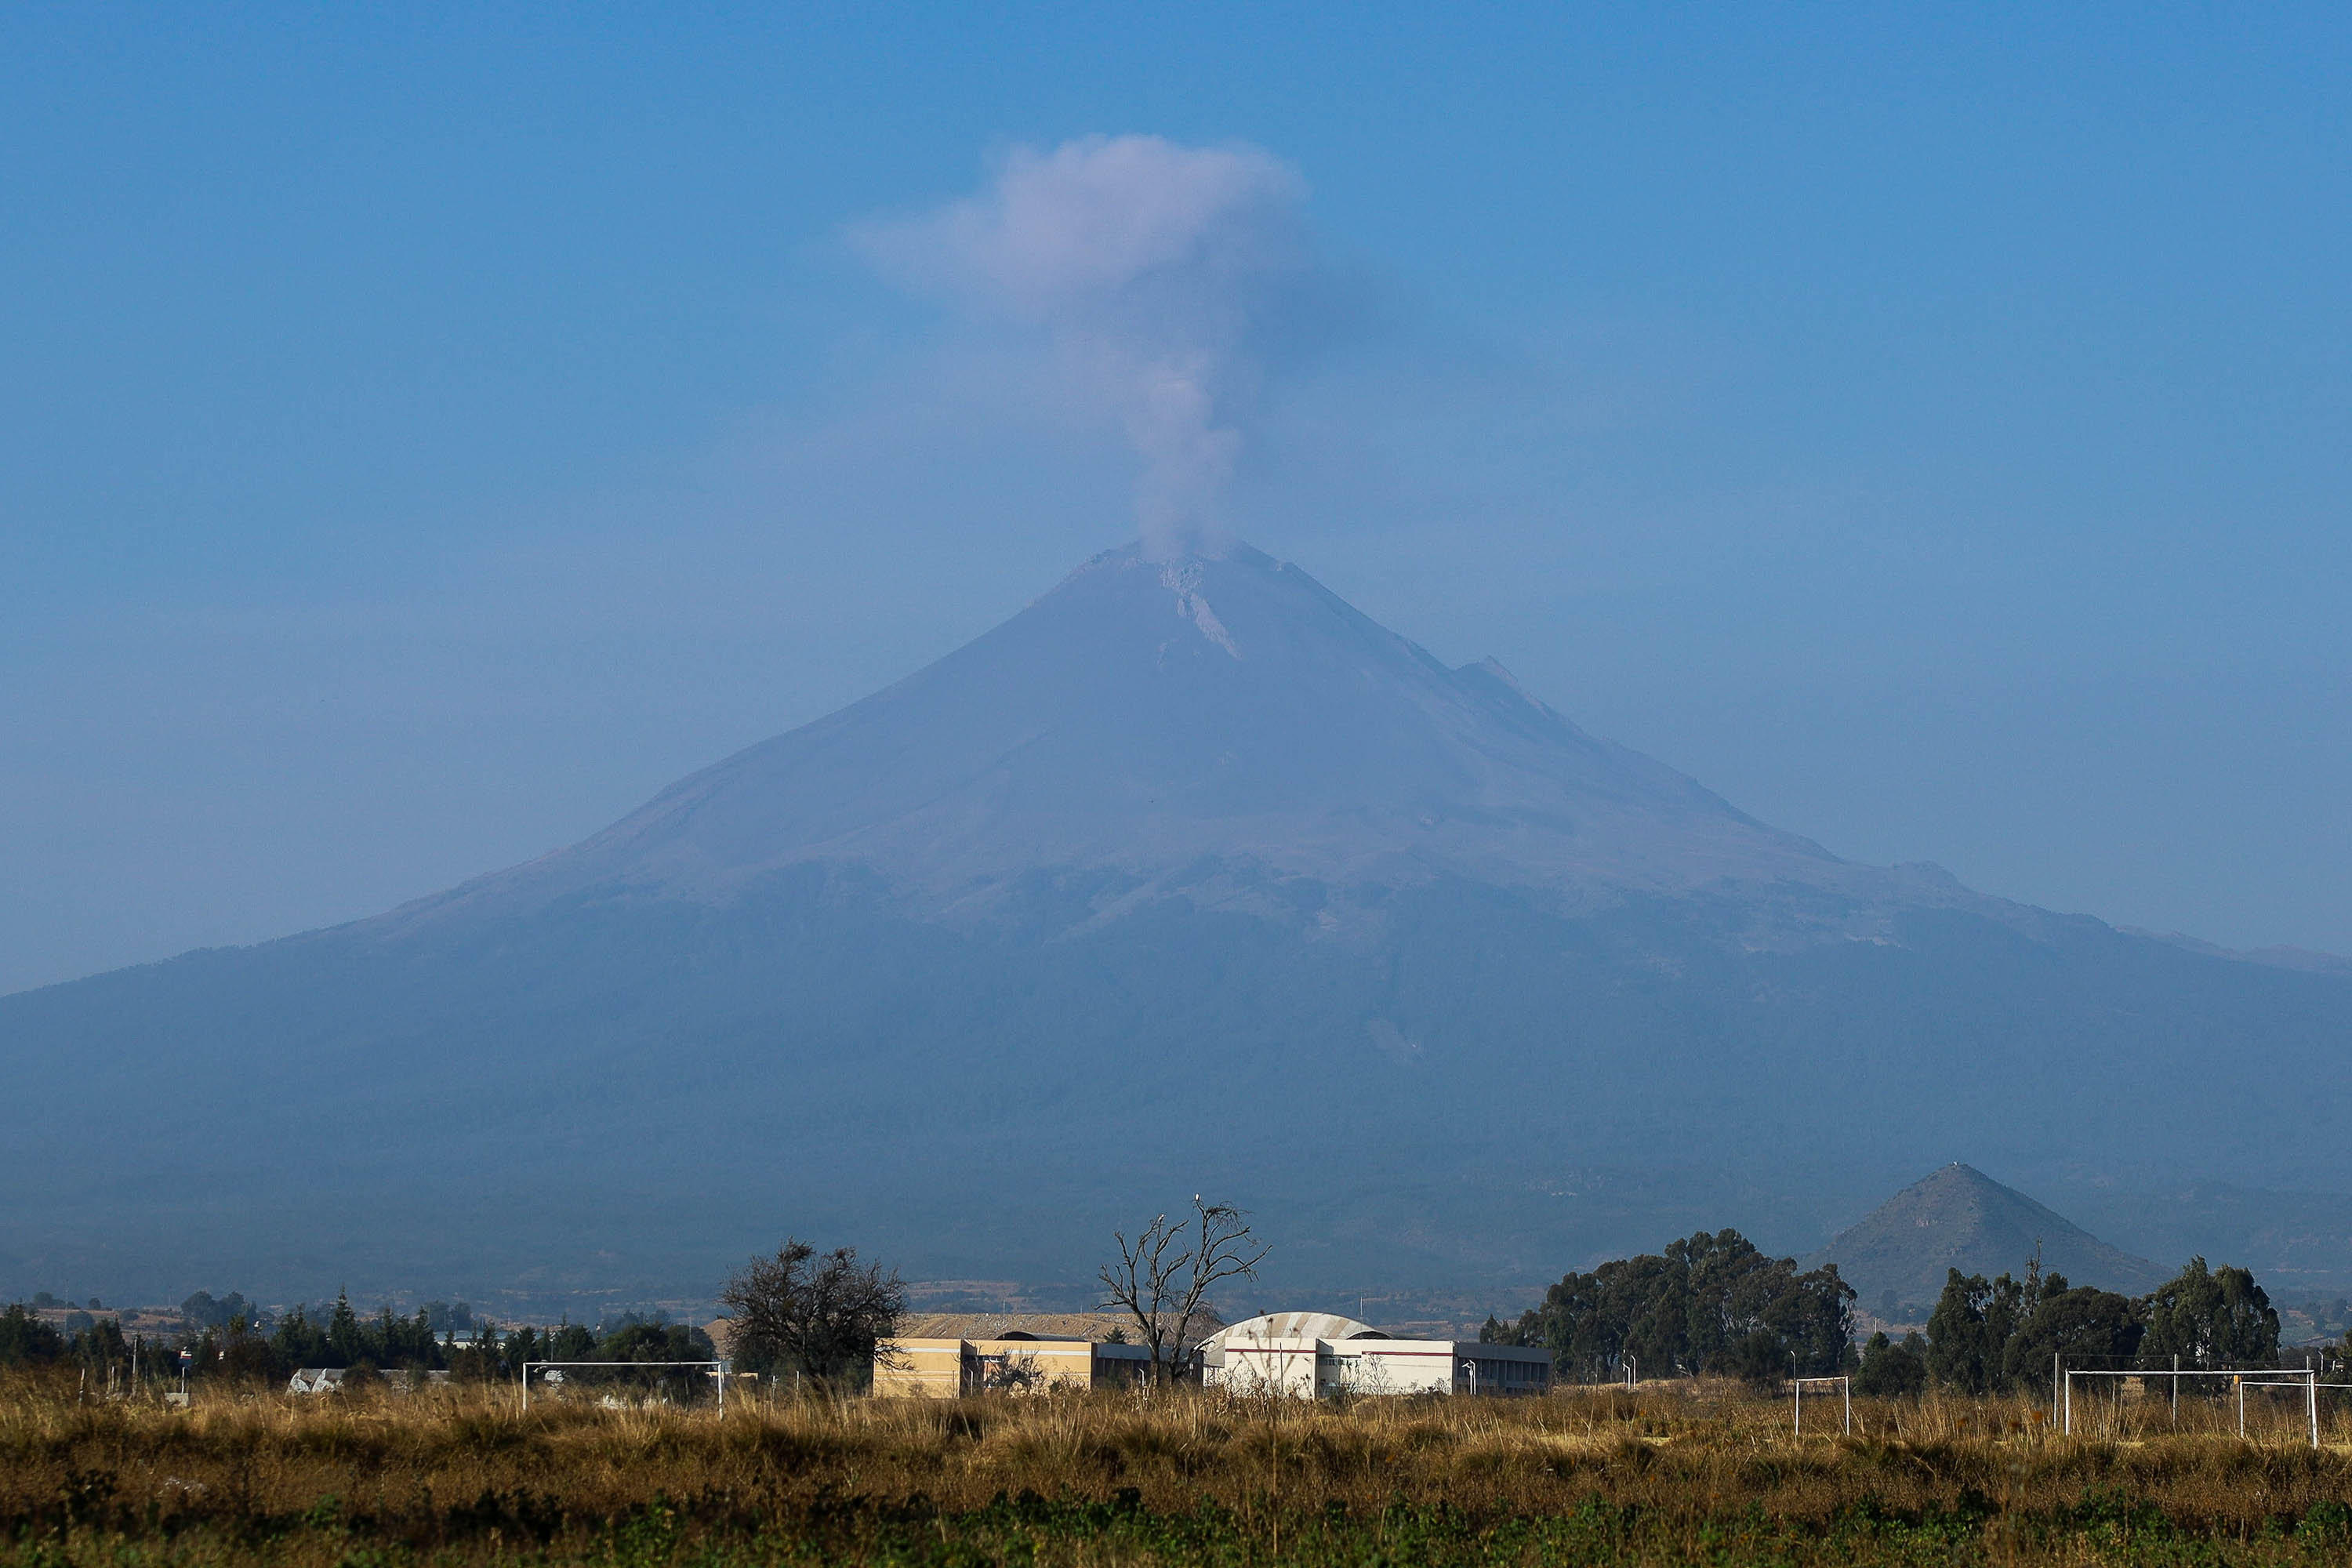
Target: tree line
814, 1319
1714, 1303
2006, 1334
245, 1347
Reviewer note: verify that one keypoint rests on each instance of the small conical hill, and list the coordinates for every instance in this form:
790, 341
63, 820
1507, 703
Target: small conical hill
1961, 1218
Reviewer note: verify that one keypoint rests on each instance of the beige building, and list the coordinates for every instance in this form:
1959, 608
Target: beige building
945, 1357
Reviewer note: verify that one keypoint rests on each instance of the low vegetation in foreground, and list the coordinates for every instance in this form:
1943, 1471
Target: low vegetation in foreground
1698, 1472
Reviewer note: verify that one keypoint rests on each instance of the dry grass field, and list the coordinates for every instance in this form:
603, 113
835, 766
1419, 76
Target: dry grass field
1673, 1474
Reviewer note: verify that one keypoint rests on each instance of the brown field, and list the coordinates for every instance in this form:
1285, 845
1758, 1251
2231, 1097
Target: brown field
1674, 1473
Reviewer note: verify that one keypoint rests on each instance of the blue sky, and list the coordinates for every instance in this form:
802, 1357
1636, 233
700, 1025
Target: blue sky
428, 431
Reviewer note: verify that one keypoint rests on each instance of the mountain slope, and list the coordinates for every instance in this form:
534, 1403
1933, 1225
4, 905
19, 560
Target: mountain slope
1961, 1218
1188, 878
1150, 723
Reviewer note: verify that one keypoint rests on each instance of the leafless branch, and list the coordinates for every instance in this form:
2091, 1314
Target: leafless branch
1163, 1276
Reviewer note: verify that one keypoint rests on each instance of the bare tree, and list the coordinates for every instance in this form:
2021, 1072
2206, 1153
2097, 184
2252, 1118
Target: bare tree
1162, 1276
823, 1322
1014, 1372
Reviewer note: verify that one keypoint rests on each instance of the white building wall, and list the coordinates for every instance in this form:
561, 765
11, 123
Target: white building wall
1271, 1356
1285, 1365
1398, 1366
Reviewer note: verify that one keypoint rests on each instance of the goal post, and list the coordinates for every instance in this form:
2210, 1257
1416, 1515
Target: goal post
2240, 1379
1845, 1396
717, 1369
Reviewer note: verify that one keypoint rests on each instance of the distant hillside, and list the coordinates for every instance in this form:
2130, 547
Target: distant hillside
1961, 1218
1189, 878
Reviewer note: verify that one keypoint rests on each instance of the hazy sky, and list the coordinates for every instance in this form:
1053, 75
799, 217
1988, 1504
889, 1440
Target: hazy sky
426, 433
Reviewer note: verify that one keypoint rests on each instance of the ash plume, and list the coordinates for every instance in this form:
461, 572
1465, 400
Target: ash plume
1150, 269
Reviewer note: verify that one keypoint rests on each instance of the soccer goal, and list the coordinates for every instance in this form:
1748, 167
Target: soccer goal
716, 1369
1845, 1398
2241, 1380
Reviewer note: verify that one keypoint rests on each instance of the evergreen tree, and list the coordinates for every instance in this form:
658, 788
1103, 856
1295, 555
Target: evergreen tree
300, 1342
1495, 1331
2088, 1327
479, 1361
346, 1339
2211, 1319
1970, 1330
524, 1345
26, 1341
1712, 1303
1890, 1369
101, 1347
1956, 1333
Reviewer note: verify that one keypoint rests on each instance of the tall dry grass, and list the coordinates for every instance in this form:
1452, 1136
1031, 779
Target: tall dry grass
465, 1471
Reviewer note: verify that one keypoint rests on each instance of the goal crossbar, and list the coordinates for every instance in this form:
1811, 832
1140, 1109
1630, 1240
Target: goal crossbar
717, 1369
1845, 1393
2242, 1377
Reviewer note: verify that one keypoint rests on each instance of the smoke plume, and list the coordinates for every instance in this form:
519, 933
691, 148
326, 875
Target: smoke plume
1151, 270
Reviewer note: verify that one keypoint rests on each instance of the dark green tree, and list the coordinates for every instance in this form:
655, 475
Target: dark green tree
571, 1341
483, 1361
203, 1311
1711, 1302
101, 1347
407, 1342
819, 1317
300, 1342
640, 1341
1969, 1332
2088, 1327
347, 1342
525, 1345
26, 1341
1890, 1370
2211, 1319
241, 1353
655, 1339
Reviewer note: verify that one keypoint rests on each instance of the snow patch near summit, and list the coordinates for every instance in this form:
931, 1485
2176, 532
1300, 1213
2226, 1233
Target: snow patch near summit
1182, 578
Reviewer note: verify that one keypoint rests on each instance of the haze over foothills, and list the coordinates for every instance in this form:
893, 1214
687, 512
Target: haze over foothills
1624, 568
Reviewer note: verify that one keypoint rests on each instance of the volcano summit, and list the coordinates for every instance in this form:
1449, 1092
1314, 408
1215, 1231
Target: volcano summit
1187, 878
1224, 730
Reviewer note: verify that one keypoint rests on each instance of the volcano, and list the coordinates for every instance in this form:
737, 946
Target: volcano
1188, 878
1227, 729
